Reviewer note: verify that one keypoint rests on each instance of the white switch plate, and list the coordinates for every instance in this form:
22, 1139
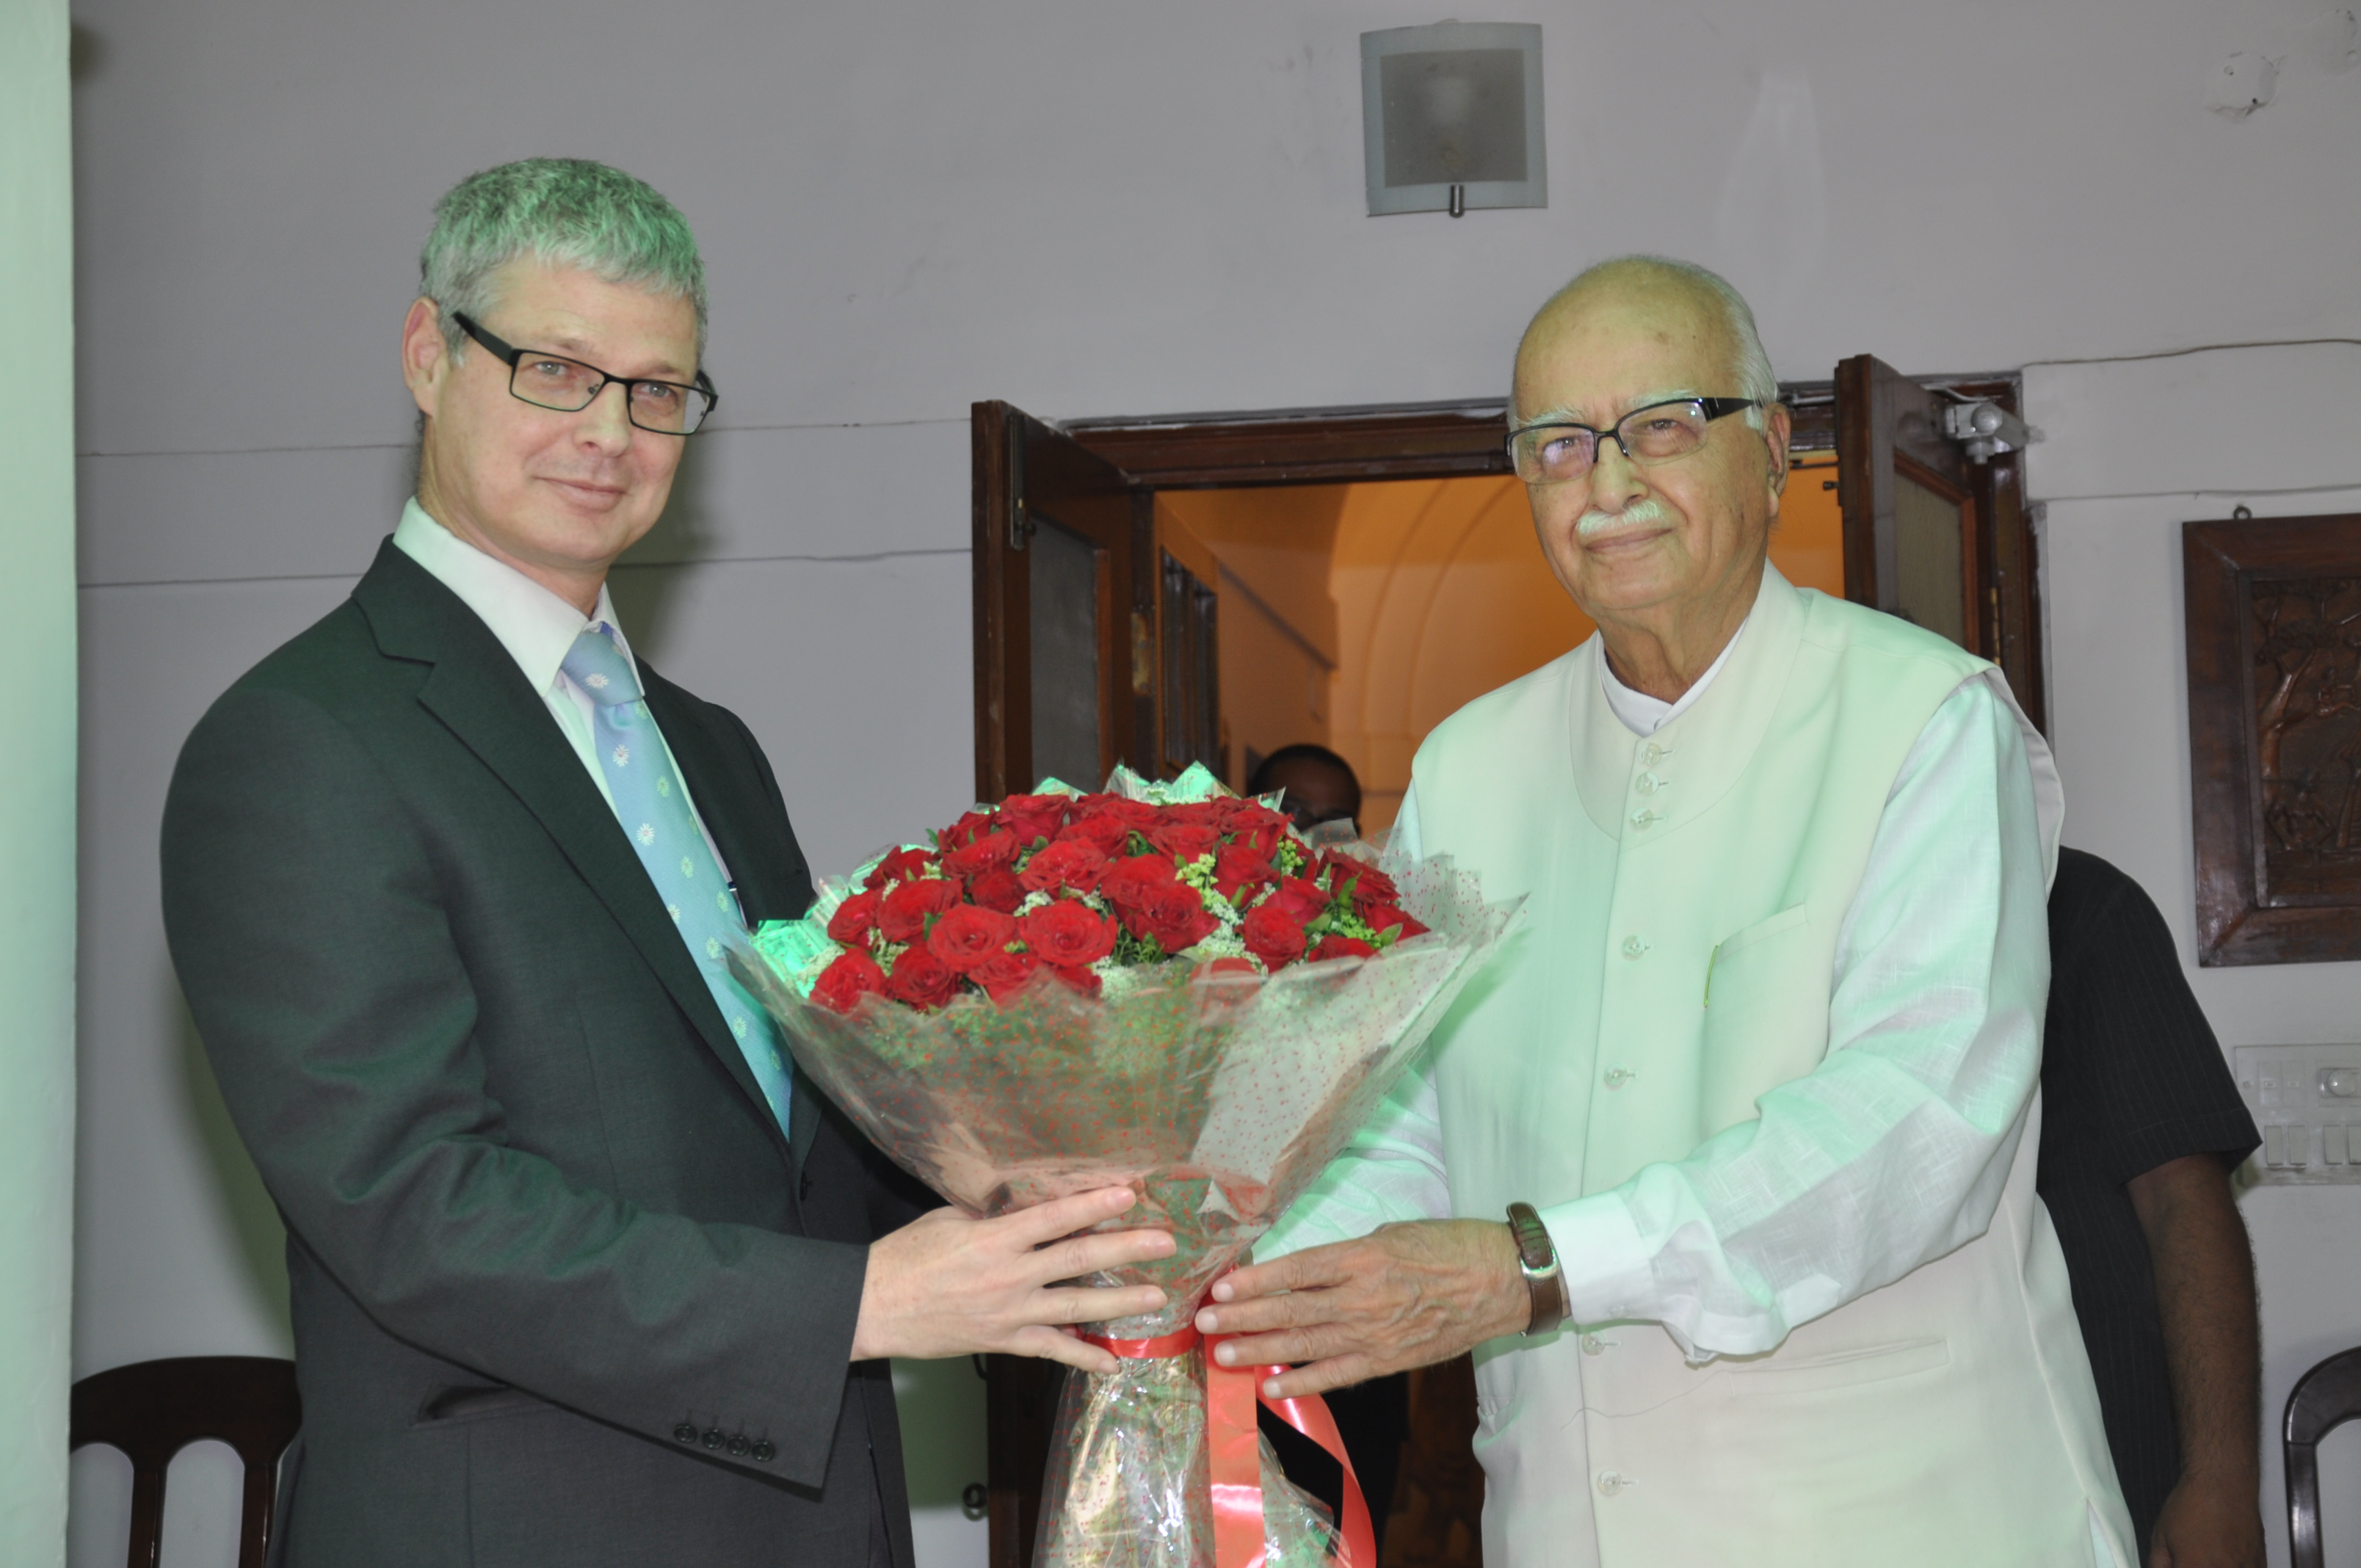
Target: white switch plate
2307, 1101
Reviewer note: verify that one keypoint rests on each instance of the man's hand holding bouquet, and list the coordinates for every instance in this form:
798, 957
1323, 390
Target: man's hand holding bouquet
1159, 988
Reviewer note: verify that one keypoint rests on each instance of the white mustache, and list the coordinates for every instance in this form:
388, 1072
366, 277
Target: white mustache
1646, 510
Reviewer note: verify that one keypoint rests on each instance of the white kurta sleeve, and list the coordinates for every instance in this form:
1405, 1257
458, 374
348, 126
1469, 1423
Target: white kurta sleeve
1895, 1149
1393, 1168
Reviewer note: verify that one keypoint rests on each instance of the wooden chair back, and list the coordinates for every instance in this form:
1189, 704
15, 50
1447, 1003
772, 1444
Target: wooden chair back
2323, 1400
152, 1409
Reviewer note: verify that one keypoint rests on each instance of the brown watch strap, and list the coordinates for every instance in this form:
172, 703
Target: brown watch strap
1545, 1279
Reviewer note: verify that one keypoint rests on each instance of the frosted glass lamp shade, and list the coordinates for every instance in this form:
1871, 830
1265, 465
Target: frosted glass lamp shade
1451, 117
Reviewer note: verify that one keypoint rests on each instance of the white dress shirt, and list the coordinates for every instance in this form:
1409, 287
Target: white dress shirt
1855, 1172
536, 627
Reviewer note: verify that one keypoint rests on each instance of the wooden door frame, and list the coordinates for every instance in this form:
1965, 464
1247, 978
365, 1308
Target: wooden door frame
2008, 626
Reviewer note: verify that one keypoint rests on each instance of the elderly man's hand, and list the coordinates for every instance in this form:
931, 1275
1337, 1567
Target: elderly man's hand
1403, 1296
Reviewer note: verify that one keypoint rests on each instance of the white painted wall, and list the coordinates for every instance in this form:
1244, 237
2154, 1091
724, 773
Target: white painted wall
36, 786
1086, 208
2136, 448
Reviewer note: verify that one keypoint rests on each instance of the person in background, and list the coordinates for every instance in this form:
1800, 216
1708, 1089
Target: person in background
1318, 785
2141, 1127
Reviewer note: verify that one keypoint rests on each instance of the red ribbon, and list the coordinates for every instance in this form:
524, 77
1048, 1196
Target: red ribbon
1230, 1393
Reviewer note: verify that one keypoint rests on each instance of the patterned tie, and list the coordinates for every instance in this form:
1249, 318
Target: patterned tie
652, 803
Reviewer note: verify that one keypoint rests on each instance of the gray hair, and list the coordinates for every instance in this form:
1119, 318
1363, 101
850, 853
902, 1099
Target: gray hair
566, 212
1756, 379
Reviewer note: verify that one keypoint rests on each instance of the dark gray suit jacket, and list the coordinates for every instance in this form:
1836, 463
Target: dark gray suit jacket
562, 1291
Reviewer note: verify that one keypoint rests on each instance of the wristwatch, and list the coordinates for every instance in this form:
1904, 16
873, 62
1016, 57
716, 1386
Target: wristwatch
1544, 1279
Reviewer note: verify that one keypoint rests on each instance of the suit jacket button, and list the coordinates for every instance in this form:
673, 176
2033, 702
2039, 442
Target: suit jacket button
713, 1437
684, 1433
739, 1445
764, 1451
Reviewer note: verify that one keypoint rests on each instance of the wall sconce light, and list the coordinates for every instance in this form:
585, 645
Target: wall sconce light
1451, 117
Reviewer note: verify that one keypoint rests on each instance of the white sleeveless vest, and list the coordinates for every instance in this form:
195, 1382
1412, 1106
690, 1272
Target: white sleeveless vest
1947, 1419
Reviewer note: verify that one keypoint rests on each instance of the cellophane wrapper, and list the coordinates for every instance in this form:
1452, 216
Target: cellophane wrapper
1217, 1098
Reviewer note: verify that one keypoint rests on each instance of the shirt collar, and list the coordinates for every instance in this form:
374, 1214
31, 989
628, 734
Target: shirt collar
1645, 715
535, 626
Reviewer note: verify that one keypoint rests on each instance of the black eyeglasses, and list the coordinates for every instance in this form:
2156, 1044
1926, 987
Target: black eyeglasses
567, 386
1553, 451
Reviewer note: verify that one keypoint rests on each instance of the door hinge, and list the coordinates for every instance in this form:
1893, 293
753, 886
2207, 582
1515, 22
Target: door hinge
1020, 518
1143, 657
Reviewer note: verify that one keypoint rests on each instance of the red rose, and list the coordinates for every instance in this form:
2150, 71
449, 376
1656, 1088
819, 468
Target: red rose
1030, 817
1214, 967
965, 831
1086, 980
967, 934
1301, 899
1379, 916
993, 850
1108, 835
1262, 838
1127, 883
1069, 933
1369, 884
1333, 946
998, 890
1185, 841
1130, 813
844, 983
1272, 935
900, 866
1194, 814
1246, 816
1176, 915
1236, 867
921, 979
1003, 973
853, 920
903, 916
1069, 863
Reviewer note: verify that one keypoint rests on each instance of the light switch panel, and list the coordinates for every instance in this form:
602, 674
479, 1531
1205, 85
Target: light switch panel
2307, 1100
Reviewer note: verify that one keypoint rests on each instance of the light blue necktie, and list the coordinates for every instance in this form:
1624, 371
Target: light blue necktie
651, 804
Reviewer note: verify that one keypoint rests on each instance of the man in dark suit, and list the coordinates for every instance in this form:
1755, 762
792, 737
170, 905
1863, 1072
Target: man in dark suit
579, 1272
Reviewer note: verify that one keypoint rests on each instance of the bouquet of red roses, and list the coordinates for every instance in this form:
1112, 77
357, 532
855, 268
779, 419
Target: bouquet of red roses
1082, 886
1159, 985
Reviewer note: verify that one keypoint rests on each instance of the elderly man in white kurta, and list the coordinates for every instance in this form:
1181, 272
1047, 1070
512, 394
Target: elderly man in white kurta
1763, 1059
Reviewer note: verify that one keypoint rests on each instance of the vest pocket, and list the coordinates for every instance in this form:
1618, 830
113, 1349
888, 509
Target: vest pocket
1725, 951
1842, 1369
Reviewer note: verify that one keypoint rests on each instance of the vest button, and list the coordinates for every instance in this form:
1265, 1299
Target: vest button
1633, 947
1616, 1076
1593, 1345
1609, 1483
1655, 752
1645, 818
1647, 783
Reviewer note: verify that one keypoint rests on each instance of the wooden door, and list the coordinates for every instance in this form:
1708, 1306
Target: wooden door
1932, 533
1063, 661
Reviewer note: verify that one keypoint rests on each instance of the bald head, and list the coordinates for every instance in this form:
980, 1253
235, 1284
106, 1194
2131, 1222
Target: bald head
1688, 303
1661, 542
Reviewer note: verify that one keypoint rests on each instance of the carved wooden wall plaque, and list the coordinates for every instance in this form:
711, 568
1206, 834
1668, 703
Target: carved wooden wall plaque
2274, 616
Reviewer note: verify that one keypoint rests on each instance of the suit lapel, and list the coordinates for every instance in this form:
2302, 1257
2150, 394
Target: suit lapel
478, 692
